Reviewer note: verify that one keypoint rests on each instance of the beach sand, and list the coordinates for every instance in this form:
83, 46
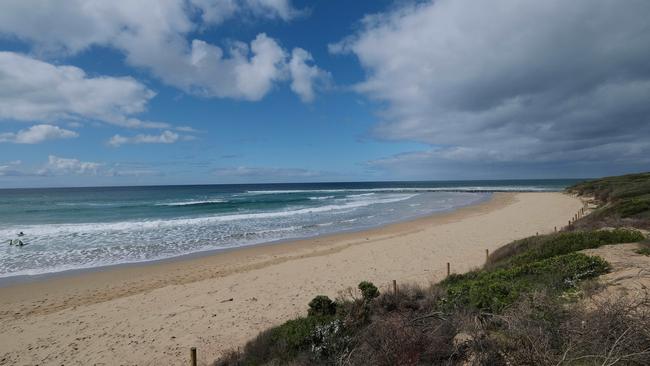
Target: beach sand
152, 314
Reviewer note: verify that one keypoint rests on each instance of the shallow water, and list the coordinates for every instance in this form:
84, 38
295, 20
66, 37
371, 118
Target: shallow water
74, 228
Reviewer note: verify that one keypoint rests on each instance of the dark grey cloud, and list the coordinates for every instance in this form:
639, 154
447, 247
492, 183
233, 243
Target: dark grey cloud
553, 83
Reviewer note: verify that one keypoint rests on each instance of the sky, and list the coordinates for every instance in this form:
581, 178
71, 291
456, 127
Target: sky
143, 92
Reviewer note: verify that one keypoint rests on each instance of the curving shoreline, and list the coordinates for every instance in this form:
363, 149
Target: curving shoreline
154, 312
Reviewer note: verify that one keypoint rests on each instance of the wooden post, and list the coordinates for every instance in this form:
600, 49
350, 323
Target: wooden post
487, 255
193, 356
448, 269
536, 233
555, 229
394, 287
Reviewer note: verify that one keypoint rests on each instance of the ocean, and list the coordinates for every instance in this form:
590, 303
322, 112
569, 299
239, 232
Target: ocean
79, 228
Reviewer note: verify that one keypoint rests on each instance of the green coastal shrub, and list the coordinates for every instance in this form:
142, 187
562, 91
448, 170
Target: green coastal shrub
493, 290
321, 306
279, 345
624, 201
546, 246
368, 290
635, 206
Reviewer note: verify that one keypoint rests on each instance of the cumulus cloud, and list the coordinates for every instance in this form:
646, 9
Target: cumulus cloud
37, 134
509, 82
304, 75
218, 11
60, 166
153, 35
69, 166
165, 137
33, 90
9, 169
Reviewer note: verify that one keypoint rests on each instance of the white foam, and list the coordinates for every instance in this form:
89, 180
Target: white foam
59, 229
411, 189
320, 198
192, 203
360, 195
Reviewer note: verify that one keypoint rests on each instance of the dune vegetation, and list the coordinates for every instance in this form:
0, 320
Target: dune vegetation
523, 307
622, 201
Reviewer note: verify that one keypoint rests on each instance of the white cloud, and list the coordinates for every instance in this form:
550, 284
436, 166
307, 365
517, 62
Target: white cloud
60, 166
33, 90
218, 11
304, 76
153, 35
9, 169
186, 129
69, 166
532, 81
165, 137
37, 134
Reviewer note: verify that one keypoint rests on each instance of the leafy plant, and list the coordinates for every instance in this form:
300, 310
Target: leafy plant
368, 290
321, 306
493, 290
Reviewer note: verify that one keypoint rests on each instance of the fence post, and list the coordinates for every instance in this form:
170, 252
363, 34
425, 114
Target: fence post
448, 269
193, 356
487, 255
394, 287
555, 229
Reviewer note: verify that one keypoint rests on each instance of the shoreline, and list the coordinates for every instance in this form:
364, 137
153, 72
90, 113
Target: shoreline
24, 279
153, 313
259, 253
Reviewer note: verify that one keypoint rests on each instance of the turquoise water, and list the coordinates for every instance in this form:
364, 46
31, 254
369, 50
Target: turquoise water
74, 228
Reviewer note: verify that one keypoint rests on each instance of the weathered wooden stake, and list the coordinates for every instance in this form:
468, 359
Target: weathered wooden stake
193, 356
448, 269
394, 287
555, 229
487, 254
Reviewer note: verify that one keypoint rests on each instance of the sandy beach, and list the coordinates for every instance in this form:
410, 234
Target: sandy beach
152, 314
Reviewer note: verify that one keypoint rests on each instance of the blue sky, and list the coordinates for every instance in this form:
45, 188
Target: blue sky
227, 91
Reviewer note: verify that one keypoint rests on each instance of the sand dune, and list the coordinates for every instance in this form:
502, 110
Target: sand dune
152, 314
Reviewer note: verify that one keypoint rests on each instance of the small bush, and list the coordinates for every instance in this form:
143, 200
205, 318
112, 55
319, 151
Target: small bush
643, 251
321, 306
368, 290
